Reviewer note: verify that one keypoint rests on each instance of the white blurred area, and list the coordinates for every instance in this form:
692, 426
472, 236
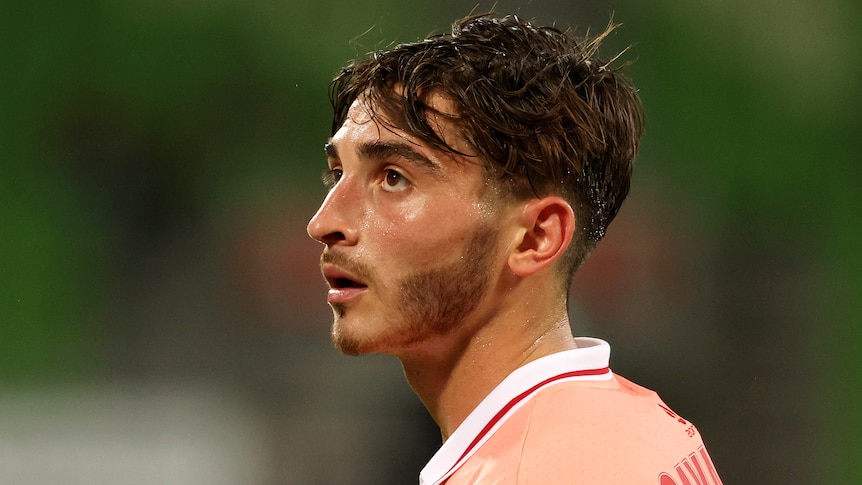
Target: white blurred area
168, 434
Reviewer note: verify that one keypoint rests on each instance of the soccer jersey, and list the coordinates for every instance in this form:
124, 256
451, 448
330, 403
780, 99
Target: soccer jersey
566, 418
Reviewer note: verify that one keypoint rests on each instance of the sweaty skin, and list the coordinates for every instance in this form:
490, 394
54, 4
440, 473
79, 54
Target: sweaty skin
426, 263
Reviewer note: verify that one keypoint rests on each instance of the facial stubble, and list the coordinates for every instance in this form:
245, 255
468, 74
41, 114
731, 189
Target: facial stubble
428, 303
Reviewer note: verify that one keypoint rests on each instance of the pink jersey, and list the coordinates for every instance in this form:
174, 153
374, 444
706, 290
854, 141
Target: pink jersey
567, 419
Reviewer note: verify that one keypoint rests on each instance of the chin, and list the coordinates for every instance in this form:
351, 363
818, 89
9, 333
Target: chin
347, 341
345, 344
351, 340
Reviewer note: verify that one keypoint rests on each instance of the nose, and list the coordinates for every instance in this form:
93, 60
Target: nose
333, 224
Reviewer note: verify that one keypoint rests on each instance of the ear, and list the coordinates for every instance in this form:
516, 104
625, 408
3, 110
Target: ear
547, 227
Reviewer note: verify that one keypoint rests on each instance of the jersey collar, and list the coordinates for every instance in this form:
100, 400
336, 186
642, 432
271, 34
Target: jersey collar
587, 362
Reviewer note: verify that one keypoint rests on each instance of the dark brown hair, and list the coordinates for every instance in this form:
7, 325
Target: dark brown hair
543, 114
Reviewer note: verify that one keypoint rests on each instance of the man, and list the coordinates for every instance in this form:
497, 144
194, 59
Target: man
469, 175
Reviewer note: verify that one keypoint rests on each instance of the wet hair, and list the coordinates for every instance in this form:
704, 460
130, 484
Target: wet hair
543, 114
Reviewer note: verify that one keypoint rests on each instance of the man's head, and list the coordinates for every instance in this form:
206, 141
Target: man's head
460, 167
534, 105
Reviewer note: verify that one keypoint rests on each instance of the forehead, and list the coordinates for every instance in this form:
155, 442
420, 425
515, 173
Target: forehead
367, 122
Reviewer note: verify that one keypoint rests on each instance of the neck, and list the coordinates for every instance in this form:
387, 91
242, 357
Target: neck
452, 374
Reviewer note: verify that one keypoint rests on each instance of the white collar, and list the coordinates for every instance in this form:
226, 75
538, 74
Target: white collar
587, 362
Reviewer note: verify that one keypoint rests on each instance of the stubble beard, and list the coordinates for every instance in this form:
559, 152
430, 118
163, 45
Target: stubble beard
431, 303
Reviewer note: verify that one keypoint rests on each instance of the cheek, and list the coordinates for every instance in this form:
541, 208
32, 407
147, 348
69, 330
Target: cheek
424, 233
418, 240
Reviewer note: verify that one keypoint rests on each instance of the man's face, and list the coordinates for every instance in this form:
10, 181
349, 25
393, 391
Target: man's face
411, 242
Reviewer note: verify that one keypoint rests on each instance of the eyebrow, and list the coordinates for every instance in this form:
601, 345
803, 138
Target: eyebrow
330, 150
383, 150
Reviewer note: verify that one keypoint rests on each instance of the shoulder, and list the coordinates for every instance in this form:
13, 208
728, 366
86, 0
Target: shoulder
614, 416
607, 432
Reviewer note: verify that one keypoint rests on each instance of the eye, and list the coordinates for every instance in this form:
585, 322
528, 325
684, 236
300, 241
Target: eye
394, 181
331, 177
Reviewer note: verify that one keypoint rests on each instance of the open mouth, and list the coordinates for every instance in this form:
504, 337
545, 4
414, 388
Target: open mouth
340, 283
345, 287
340, 279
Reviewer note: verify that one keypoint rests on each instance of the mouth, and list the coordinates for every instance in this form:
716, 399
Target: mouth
343, 286
340, 283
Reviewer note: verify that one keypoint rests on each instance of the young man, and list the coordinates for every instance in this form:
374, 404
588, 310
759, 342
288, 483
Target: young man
469, 175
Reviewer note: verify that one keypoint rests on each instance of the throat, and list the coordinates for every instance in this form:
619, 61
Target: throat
451, 388
453, 376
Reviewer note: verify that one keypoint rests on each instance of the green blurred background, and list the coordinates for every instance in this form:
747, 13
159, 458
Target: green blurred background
162, 319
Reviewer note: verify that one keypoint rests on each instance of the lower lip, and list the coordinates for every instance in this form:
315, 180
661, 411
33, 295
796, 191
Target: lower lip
344, 295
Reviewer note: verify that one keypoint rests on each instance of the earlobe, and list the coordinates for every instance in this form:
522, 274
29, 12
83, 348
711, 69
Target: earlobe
547, 230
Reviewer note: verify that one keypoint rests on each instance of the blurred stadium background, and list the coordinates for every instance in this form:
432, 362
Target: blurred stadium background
162, 319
